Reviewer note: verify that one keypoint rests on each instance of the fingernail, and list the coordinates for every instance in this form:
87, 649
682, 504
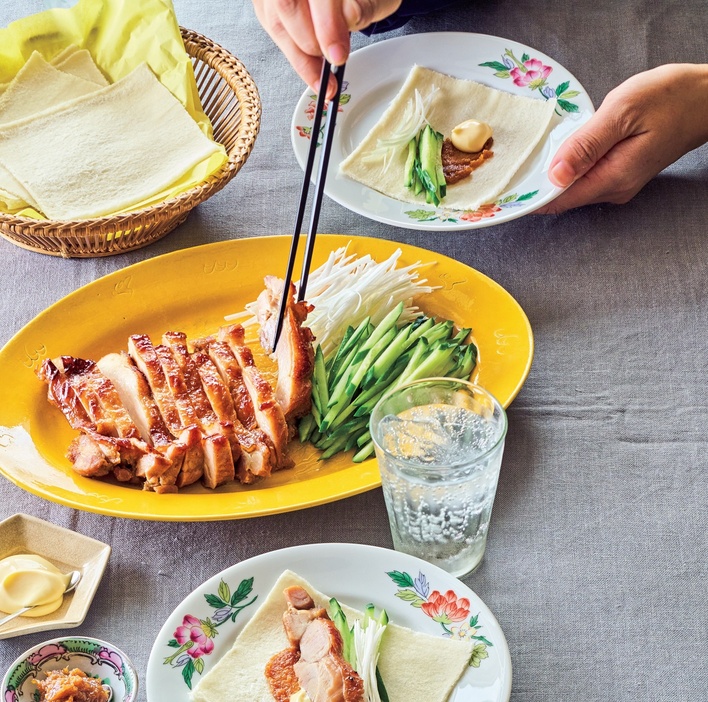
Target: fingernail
562, 174
336, 54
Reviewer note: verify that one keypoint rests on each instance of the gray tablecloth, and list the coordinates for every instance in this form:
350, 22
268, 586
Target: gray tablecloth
596, 564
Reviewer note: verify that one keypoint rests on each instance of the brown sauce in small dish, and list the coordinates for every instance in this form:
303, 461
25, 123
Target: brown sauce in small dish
70, 686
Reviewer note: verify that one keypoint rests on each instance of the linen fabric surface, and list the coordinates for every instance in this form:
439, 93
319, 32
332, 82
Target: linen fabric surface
596, 564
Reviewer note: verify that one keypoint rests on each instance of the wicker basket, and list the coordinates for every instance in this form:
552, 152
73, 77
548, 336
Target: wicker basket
230, 99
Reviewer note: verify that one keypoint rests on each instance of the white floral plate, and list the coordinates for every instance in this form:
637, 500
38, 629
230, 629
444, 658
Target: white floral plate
373, 76
415, 594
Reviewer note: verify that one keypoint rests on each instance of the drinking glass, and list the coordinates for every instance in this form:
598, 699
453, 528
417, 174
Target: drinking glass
439, 445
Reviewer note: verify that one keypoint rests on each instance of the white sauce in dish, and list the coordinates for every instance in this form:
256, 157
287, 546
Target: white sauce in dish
26, 579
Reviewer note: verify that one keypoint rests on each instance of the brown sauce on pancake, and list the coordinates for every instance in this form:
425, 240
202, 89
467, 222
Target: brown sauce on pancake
458, 165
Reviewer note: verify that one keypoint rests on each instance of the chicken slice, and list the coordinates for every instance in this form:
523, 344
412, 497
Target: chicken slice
98, 396
193, 467
269, 413
321, 671
219, 464
294, 354
134, 392
296, 621
62, 395
232, 375
258, 457
145, 358
187, 457
315, 655
220, 400
91, 458
93, 455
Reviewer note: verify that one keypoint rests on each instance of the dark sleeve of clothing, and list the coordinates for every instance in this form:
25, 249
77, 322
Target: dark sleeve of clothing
407, 10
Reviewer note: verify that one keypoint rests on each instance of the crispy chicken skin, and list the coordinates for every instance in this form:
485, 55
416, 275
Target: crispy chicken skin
110, 442
281, 676
294, 354
315, 655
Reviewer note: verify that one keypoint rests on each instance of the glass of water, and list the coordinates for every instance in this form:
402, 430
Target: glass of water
439, 445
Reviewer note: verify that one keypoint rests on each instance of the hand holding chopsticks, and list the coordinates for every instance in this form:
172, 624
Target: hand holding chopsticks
338, 72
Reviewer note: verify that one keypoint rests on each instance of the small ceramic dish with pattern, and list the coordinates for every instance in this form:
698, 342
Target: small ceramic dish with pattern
65, 549
97, 659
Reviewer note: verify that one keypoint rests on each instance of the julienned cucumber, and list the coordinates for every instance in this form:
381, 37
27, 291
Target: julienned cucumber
370, 361
423, 170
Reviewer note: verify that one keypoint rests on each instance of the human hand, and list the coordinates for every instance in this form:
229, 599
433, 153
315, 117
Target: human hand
307, 30
642, 126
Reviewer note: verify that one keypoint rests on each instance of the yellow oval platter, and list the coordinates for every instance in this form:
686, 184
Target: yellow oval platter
191, 290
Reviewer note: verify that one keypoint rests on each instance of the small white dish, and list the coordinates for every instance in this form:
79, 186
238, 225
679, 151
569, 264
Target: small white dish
415, 594
372, 78
68, 551
96, 658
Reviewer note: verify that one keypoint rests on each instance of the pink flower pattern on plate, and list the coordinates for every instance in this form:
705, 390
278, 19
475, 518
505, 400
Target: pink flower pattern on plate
534, 76
192, 630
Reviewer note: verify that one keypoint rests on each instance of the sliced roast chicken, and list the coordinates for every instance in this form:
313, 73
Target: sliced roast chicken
167, 415
314, 661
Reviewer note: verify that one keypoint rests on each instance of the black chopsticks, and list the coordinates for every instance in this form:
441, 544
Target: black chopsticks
338, 72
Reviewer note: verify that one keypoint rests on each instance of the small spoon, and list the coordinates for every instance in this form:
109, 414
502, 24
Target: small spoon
75, 577
109, 690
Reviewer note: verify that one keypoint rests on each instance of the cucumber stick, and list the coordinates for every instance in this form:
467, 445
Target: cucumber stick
370, 361
423, 171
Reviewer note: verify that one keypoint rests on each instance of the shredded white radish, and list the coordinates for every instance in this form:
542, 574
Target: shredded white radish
414, 119
347, 288
367, 642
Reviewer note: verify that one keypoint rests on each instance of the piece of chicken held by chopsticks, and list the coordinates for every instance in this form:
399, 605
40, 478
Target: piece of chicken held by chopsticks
294, 354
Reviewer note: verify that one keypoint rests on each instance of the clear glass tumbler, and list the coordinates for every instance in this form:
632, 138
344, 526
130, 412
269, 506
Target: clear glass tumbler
439, 445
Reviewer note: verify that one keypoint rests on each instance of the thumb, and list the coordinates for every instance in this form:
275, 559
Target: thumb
359, 14
583, 149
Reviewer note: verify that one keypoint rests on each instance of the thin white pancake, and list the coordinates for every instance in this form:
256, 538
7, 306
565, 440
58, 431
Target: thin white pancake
39, 86
518, 124
103, 152
80, 63
415, 667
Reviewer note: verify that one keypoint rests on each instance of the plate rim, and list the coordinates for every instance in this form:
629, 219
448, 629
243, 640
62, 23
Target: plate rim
289, 552
428, 226
79, 500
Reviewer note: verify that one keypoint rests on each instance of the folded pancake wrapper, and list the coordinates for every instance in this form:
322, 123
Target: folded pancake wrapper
98, 42
415, 667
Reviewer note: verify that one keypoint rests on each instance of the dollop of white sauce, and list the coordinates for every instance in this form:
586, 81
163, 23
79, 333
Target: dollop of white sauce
470, 136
